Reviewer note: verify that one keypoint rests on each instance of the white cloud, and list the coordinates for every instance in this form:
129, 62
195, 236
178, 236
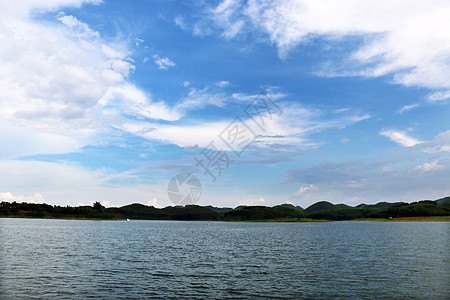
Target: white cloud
182, 135
252, 97
438, 96
406, 39
52, 78
341, 110
154, 203
62, 86
163, 63
66, 184
9, 197
292, 127
408, 107
252, 202
439, 144
83, 28
223, 83
180, 22
138, 41
304, 189
429, 166
24, 8
340, 182
400, 137
127, 99
105, 203
17, 141
199, 98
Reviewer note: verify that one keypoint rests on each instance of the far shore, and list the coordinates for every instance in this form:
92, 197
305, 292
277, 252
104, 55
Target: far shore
60, 218
409, 219
288, 220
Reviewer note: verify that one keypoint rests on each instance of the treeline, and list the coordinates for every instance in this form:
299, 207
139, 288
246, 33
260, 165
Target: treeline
424, 208
322, 210
32, 210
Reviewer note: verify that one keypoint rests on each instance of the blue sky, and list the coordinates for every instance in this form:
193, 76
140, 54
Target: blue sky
108, 100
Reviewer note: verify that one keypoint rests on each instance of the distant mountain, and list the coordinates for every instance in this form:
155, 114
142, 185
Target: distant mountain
324, 205
288, 207
286, 212
247, 213
219, 209
320, 210
191, 212
137, 211
380, 205
143, 212
443, 201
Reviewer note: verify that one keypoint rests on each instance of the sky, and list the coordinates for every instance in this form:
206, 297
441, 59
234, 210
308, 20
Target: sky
264, 102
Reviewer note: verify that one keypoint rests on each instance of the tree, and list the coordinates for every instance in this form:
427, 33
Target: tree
98, 206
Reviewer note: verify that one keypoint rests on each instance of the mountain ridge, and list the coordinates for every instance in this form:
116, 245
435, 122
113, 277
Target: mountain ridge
319, 210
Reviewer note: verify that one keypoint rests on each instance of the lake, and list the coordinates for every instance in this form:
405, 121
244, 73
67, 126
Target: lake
73, 259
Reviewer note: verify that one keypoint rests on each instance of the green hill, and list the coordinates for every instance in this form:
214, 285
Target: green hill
443, 201
380, 205
324, 205
285, 212
191, 212
138, 211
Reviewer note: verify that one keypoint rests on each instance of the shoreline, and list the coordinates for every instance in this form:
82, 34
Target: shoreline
301, 220
408, 219
60, 218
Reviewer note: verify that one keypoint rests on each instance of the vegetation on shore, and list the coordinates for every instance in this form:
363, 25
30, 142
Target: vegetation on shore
46, 211
438, 210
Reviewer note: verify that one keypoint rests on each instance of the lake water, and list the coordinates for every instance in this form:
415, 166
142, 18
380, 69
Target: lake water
69, 259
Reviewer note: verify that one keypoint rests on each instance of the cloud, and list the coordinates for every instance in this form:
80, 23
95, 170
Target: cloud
274, 154
429, 166
24, 8
399, 137
223, 83
183, 135
9, 197
69, 184
251, 97
105, 203
53, 75
408, 107
290, 128
408, 40
252, 202
439, 144
341, 110
342, 181
154, 203
163, 63
438, 96
65, 87
328, 173
83, 28
128, 100
199, 98
305, 189
180, 22
17, 141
